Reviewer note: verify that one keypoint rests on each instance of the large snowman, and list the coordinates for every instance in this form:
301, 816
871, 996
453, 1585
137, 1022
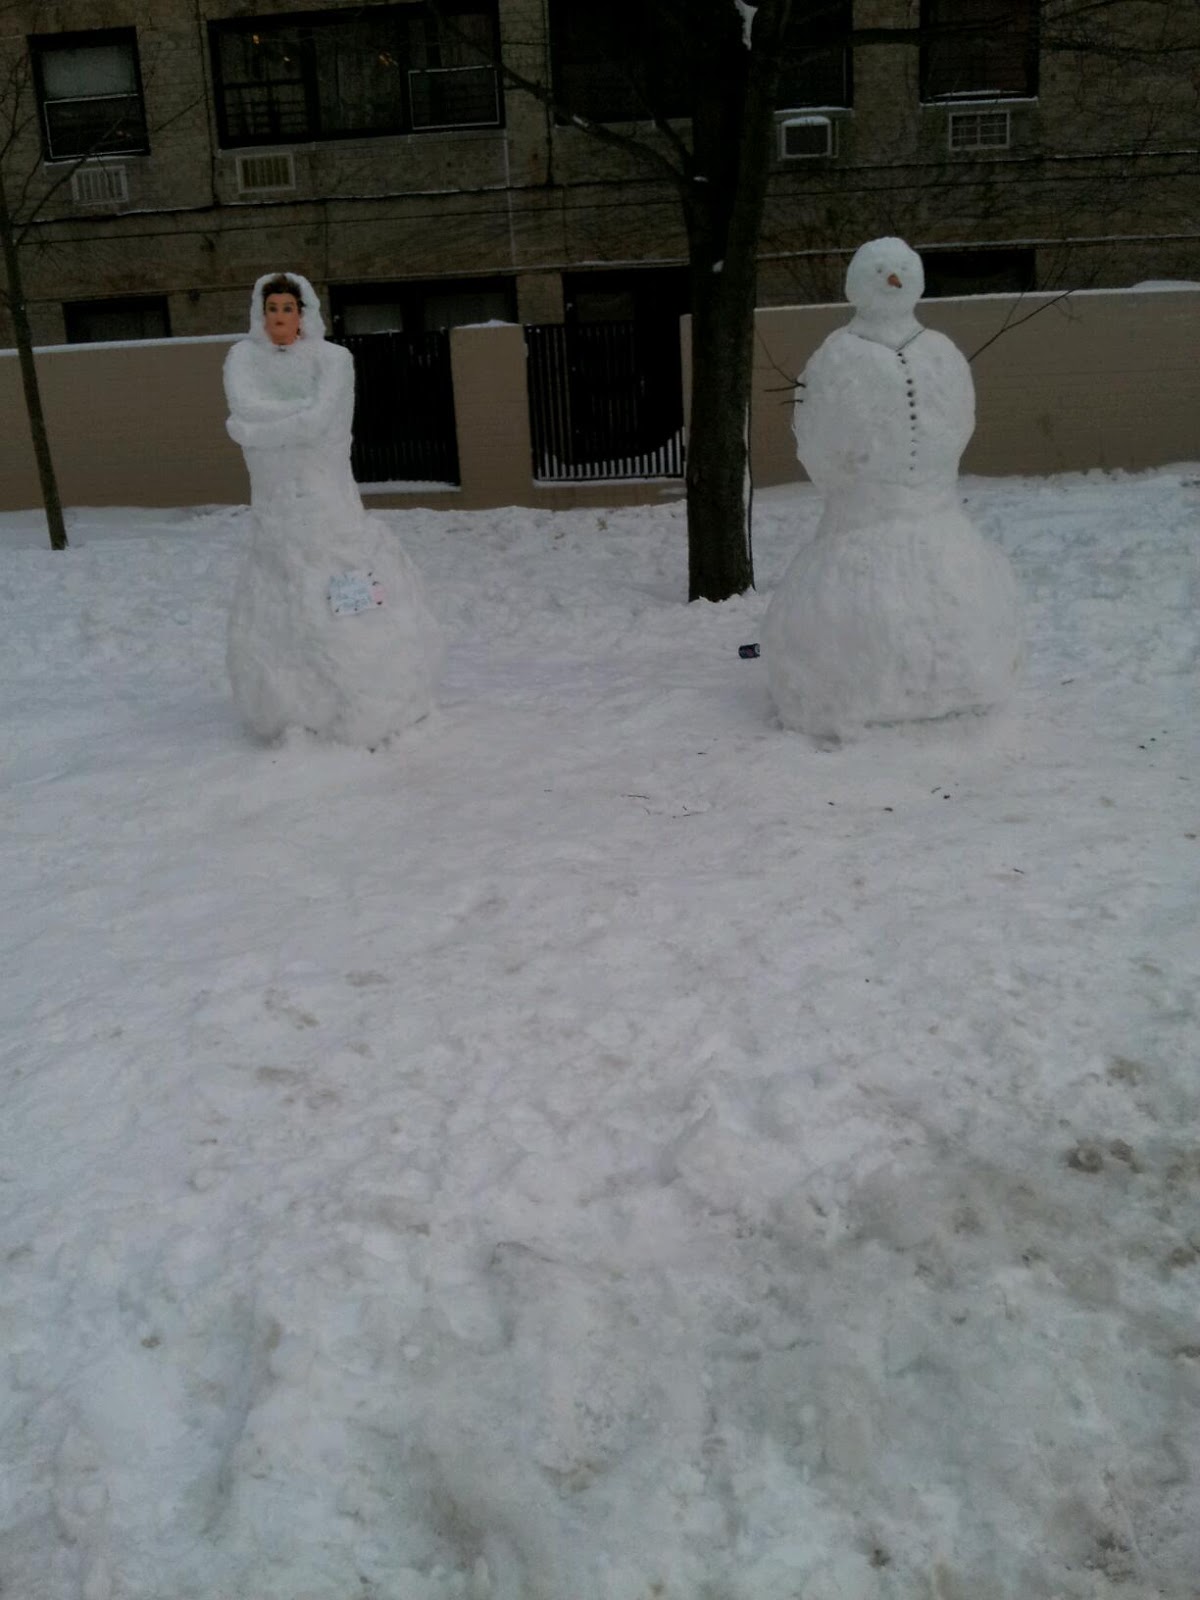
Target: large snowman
898, 609
329, 629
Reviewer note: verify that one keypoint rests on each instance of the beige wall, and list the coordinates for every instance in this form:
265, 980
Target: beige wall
1101, 380
138, 424
1096, 380
144, 425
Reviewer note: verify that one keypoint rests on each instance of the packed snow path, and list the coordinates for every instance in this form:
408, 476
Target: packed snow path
601, 1146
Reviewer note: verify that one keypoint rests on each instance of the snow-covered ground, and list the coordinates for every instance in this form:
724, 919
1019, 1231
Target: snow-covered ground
602, 1147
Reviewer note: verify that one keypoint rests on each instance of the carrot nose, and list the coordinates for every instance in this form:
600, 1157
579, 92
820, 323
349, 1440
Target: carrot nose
894, 281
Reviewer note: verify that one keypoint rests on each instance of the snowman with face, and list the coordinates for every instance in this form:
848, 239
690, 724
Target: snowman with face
329, 629
898, 610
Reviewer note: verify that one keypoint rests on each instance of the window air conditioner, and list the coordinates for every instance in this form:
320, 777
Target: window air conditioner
266, 174
801, 138
99, 185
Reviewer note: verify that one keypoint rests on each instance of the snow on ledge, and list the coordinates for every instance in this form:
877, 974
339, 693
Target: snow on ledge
131, 344
1027, 296
665, 481
411, 486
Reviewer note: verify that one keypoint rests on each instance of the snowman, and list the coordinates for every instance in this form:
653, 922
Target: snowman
898, 610
329, 629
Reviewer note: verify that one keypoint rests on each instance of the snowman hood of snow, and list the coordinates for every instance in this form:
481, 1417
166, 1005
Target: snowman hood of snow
884, 281
312, 324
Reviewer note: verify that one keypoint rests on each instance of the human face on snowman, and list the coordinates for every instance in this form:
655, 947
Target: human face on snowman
281, 318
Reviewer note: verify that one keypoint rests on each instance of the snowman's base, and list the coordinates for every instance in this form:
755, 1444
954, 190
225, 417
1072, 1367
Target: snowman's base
356, 676
910, 619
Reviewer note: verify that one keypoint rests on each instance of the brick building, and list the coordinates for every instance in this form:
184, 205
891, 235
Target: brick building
371, 147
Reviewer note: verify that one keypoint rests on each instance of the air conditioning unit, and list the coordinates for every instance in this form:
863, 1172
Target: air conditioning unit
802, 138
99, 185
980, 130
266, 174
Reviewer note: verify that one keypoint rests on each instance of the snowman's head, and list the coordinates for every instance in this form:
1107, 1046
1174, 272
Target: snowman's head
885, 278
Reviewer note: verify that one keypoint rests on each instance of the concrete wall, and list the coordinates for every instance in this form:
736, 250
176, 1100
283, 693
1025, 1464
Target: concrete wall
1099, 380
144, 425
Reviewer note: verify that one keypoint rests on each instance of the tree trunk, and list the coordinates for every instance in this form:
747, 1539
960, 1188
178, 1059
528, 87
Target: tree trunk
718, 476
733, 131
29, 379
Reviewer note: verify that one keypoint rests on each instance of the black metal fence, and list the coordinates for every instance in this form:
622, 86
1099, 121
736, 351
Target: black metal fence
606, 400
404, 427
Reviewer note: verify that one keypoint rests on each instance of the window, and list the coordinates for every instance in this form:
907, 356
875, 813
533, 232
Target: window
978, 49
816, 56
622, 61
378, 70
90, 93
101, 321
616, 63
951, 272
657, 296
421, 307
980, 130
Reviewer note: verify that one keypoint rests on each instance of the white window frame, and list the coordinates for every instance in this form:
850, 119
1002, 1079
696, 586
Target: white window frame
992, 129
808, 119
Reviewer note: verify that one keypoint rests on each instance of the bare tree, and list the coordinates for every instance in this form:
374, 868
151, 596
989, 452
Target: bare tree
28, 186
716, 159
18, 116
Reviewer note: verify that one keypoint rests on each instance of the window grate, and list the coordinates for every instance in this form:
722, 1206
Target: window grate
99, 185
271, 174
980, 130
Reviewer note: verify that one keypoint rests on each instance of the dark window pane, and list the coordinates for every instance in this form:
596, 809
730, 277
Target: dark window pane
457, 305
600, 91
613, 63
456, 39
77, 72
660, 295
261, 74
451, 83
372, 316
99, 321
816, 60
415, 306
984, 48
94, 127
950, 272
454, 97
359, 75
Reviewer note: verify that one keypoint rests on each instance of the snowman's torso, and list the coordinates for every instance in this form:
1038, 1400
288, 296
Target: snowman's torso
897, 609
871, 415
292, 659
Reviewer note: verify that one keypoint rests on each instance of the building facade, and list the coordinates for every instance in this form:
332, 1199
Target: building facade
163, 156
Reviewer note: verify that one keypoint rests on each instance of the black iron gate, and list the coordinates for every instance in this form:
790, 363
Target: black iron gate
606, 400
404, 408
